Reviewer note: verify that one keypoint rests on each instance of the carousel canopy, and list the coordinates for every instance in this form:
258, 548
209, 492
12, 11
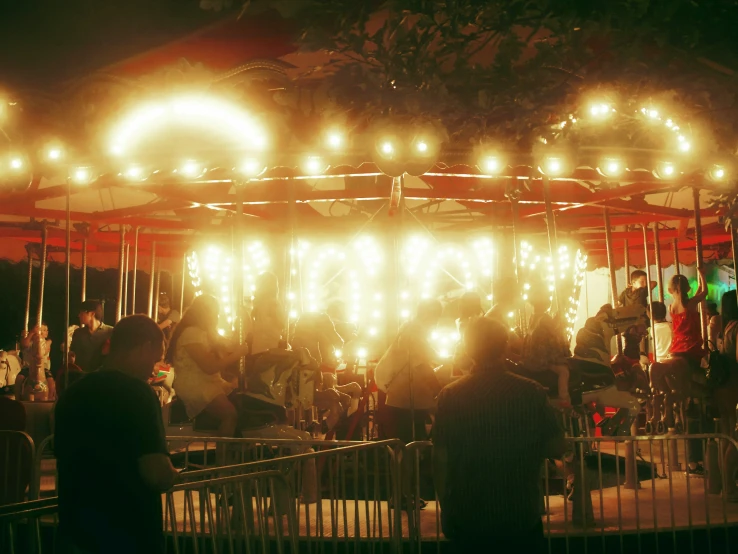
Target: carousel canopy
209, 125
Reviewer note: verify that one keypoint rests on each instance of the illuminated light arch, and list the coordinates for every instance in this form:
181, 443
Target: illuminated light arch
222, 116
426, 261
215, 275
559, 273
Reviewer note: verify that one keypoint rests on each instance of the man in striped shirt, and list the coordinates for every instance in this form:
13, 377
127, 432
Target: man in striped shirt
493, 431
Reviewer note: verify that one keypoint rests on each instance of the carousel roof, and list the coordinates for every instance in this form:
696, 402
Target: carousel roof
451, 196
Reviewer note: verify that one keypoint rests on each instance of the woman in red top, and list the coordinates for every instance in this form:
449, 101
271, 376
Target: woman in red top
687, 347
686, 341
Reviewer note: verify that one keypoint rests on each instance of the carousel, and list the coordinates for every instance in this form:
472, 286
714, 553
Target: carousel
204, 191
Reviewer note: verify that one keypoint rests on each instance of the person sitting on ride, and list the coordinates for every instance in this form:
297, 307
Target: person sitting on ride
505, 311
661, 331
316, 333
686, 341
198, 366
267, 315
591, 349
470, 307
546, 348
29, 360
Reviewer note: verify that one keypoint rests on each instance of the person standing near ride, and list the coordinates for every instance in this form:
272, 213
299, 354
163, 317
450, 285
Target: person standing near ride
545, 347
109, 431
405, 373
90, 341
493, 431
198, 366
168, 317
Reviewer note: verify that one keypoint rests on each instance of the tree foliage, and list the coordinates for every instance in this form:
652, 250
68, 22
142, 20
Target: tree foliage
510, 68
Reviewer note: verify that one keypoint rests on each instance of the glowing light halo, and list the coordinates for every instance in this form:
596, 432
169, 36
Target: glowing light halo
222, 116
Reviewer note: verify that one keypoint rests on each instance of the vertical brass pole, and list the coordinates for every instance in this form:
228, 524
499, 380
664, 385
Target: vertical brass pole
516, 252
182, 289
152, 278
135, 270
29, 249
699, 258
610, 258
659, 270
677, 266
84, 269
626, 259
157, 290
121, 270
126, 279
68, 280
648, 280
240, 257
553, 242
42, 279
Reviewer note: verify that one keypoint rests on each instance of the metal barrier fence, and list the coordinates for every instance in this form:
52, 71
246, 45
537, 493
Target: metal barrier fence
17, 476
357, 495
21, 527
231, 514
588, 505
353, 502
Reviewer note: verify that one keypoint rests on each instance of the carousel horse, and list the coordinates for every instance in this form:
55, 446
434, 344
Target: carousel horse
10, 367
35, 388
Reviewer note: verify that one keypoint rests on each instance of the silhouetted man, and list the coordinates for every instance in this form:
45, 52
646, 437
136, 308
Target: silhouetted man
111, 454
493, 431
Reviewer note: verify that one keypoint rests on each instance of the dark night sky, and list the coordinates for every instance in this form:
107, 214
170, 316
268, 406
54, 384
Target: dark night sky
43, 42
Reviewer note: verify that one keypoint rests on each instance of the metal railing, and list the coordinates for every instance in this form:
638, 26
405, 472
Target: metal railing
353, 501
594, 503
17, 476
349, 495
21, 527
231, 514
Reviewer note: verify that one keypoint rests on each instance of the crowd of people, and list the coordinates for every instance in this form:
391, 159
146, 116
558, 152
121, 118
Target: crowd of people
490, 417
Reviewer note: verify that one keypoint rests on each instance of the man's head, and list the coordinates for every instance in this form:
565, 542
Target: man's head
638, 279
485, 339
659, 311
164, 303
136, 346
89, 312
429, 312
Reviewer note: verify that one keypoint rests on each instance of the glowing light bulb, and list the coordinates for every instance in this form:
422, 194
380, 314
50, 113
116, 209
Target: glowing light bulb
293, 314
684, 146
653, 114
313, 165
387, 148
335, 140
134, 172
405, 313
16, 163
444, 353
361, 353
81, 175
421, 146
54, 154
251, 167
338, 353
373, 331
191, 169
